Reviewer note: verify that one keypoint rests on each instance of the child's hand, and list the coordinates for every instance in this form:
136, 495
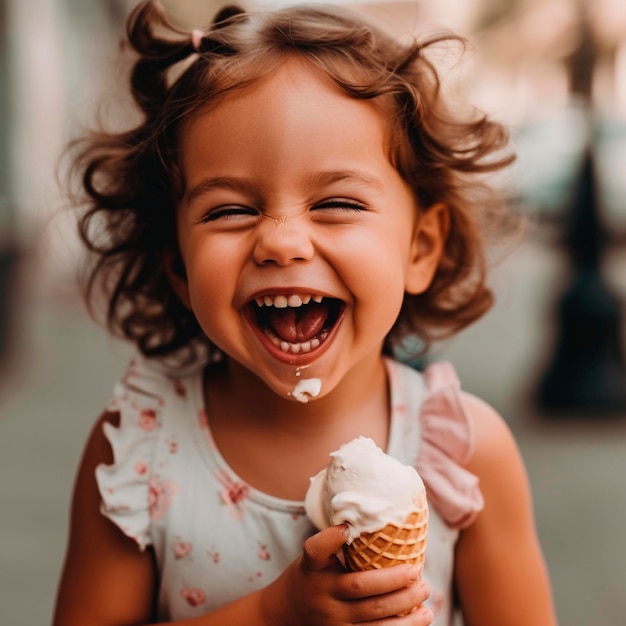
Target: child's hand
316, 590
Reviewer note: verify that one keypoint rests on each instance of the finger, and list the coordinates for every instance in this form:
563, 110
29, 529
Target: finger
422, 617
356, 585
319, 550
413, 598
406, 603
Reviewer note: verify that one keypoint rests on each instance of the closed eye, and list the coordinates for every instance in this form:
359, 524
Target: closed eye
340, 203
228, 212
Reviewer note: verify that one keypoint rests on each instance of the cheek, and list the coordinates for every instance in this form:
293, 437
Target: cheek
208, 280
374, 268
380, 255
211, 303
208, 260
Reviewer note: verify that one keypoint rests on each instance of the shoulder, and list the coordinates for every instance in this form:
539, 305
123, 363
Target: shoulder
490, 432
496, 460
494, 454
132, 444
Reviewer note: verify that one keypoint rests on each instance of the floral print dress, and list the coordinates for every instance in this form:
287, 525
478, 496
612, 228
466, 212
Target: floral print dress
217, 538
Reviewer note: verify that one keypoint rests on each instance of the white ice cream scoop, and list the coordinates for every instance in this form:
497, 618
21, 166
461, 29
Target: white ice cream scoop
364, 488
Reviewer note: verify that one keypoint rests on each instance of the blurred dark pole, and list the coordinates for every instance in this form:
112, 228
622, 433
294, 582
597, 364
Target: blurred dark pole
8, 246
587, 374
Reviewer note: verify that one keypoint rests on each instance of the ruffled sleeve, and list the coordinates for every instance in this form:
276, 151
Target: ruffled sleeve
447, 443
125, 485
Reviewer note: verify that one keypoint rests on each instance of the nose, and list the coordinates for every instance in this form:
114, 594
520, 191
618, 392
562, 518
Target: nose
282, 241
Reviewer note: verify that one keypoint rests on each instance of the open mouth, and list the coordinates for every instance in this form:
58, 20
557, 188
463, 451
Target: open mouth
296, 323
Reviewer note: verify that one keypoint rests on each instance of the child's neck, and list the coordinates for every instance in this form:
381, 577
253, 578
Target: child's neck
276, 444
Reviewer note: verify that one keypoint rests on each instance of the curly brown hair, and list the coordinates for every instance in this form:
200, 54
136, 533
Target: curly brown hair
133, 183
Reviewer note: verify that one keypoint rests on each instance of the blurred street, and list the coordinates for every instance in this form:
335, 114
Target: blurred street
63, 367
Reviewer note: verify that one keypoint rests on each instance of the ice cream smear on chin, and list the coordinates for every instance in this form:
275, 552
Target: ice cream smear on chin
363, 488
307, 388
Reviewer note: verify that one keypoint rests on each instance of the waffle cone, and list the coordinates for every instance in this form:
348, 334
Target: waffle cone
392, 545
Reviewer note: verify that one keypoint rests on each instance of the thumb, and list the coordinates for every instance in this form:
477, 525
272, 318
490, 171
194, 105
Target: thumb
319, 550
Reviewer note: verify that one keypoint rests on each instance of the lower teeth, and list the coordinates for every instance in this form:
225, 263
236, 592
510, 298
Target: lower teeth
297, 348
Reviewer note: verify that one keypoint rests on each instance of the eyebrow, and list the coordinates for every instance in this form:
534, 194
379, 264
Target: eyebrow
313, 181
221, 182
325, 178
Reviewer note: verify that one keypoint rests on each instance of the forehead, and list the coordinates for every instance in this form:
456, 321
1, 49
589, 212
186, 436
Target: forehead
295, 106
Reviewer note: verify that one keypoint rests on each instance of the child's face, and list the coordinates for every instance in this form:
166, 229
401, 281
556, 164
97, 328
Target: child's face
290, 197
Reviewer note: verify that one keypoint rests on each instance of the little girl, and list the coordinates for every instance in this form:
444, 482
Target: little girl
295, 202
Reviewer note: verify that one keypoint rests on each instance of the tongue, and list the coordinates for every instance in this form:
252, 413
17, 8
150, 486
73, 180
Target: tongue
298, 325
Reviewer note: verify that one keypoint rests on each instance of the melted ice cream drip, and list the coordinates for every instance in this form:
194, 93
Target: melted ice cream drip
306, 389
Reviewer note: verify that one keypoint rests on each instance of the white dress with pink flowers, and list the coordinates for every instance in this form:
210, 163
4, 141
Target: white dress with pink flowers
217, 538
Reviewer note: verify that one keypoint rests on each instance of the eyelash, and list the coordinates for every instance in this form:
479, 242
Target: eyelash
346, 205
227, 211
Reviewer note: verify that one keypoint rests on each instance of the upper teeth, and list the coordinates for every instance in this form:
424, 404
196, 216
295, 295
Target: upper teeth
282, 302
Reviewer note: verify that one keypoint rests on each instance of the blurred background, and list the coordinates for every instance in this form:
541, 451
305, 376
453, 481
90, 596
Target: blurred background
549, 356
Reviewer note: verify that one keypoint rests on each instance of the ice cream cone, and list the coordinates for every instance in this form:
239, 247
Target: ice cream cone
381, 500
392, 545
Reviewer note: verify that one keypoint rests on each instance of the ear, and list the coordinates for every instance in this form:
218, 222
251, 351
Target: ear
429, 238
177, 276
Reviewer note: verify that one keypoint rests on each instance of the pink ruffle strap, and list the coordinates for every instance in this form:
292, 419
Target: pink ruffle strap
447, 441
